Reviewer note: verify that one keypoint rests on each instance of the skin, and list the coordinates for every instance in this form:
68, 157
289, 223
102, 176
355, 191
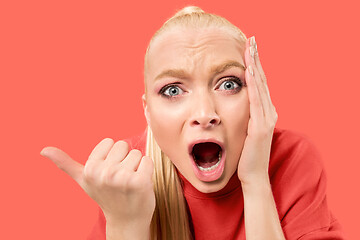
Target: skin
242, 120
114, 177
203, 107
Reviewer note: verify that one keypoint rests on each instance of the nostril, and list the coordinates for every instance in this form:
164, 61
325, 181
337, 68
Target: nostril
196, 123
213, 121
206, 122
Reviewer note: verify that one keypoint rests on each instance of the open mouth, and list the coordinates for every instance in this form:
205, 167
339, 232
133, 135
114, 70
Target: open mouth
207, 155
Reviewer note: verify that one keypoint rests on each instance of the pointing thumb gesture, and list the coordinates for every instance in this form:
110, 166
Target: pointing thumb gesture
119, 180
64, 162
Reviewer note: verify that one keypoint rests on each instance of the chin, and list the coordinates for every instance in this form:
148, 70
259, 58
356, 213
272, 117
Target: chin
210, 187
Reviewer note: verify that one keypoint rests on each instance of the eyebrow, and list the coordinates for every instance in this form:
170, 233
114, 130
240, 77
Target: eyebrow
215, 70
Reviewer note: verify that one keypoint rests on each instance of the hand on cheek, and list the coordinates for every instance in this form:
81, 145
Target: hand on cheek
254, 161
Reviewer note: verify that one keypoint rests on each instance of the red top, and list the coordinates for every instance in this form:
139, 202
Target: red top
298, 183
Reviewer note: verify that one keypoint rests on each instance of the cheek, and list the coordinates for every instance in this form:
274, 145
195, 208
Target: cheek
240, 117
166, 123
235, 116
164, 115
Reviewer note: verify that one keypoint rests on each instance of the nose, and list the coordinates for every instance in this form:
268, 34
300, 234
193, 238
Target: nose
204, 112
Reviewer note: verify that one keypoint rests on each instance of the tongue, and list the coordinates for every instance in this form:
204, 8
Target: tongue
206, 154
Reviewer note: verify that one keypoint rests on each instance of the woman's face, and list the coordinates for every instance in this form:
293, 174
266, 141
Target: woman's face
197, 103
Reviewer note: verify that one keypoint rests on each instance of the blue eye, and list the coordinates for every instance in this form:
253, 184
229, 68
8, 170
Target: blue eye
231, 84
171, 91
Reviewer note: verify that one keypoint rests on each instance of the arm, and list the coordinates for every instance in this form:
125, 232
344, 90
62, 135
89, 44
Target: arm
261, 216
298, 186
300, 190
107, 229
117, 231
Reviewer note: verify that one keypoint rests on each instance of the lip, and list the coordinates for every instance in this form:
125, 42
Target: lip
212, 175
192, 144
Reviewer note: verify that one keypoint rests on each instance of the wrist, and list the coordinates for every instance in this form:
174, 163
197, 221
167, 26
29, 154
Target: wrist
116, 230
256, 184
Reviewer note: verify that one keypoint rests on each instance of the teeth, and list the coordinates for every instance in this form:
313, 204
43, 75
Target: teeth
210, 168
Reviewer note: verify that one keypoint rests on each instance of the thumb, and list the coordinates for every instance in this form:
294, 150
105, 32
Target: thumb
64, 162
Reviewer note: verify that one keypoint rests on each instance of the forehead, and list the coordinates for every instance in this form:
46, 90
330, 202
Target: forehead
193, 49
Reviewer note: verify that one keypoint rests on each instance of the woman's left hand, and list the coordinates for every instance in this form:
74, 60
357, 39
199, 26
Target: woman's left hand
254, 161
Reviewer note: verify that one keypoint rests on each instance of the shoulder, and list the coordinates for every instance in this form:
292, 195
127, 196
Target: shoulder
298, 180
296, 167
292, 149
285, 139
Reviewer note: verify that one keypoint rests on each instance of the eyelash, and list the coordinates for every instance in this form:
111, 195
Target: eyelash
230, 78
163, 89
236, 80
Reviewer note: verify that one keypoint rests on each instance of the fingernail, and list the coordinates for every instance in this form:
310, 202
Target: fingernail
252, 53
253, 44
251, 70
252, 41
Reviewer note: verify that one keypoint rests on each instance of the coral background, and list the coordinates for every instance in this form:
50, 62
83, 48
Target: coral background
71, 74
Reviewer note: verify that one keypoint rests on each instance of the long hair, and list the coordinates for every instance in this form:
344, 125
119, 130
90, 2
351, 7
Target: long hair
170, 220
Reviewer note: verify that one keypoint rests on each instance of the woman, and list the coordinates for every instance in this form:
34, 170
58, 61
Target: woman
215, 166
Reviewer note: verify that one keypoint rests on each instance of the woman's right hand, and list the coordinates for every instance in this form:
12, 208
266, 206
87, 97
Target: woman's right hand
118, 180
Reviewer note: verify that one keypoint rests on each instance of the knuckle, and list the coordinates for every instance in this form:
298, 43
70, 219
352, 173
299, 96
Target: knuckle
89, 172
122, 144
273, 113
136, 153
148, 160
273, 108
276, 116
107, 176
270, 126
112, 171
88, 168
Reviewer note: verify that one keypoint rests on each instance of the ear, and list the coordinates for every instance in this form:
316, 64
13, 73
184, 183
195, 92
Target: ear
146, 112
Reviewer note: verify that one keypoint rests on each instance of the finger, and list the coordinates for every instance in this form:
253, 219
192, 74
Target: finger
256, 61
117, 153
132, 160
253, 43
101, 150
64, 162
256, 102
262, 85
256, 110
268, 105
265, 100
247, 53
146, 166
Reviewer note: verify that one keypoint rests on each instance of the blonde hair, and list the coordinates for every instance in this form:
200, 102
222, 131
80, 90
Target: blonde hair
170, 219
194, 17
